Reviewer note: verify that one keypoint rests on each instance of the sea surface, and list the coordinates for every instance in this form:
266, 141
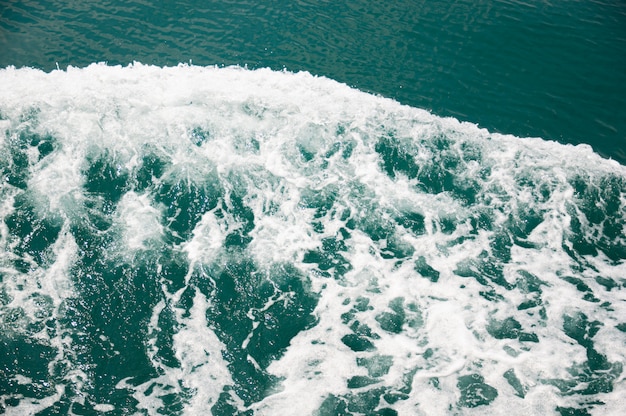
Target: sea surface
313, 208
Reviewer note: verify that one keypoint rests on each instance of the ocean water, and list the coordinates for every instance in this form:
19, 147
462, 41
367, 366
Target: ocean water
549, 69
192, 239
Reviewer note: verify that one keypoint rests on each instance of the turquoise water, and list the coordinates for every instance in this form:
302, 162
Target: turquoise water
192, 239
555, 70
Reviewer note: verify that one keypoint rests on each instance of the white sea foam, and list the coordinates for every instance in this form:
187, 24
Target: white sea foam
203, 371
253, 131
141, 221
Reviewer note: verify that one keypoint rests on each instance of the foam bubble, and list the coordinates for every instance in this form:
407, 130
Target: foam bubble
141, 220
453, 270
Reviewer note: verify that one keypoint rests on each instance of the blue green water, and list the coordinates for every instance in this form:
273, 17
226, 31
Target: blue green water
213, 239
555, 70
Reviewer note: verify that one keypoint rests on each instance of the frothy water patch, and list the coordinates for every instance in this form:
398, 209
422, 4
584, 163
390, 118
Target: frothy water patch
217, 240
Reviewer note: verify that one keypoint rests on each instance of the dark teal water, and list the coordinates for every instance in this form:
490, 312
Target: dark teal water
199, 239
555, 70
